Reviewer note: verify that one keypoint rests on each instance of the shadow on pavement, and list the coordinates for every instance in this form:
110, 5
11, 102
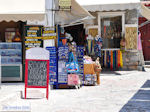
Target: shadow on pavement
140, 102
109, 73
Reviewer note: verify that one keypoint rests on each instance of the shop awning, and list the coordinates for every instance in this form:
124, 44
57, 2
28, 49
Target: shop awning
109, 5
145, 11
77, 14
15, 10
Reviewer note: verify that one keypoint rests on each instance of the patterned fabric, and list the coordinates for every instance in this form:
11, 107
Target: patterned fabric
97, 47
97, 50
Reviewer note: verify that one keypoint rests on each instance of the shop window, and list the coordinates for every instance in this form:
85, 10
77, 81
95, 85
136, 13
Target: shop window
111, 31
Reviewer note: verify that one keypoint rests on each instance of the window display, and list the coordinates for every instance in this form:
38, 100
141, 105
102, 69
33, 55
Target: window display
111, 29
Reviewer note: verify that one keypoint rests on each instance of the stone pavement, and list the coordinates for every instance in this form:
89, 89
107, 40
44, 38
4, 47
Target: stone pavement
128, 92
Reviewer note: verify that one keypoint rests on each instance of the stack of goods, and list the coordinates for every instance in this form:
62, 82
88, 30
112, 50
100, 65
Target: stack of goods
90, 79
62, 59
89, 72
63, 53
112, 59
87, 60
80, 54
52, 65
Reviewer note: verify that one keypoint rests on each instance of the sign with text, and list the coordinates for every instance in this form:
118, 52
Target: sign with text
48, 33
37, 69
33, 37
37, 73
65, 5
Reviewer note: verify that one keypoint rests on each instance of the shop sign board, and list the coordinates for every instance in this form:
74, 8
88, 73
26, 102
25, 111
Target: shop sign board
65, 5
131, 36
48, 33
37, 69
33, 36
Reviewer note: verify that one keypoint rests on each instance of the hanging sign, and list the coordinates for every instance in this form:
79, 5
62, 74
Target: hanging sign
64, 4
131, 37
33, 37
48, 33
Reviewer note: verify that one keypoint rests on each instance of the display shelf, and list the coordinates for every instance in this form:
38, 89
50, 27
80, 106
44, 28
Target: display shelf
11, 60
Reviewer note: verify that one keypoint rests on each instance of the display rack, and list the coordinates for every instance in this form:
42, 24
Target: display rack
52, 65
11, 61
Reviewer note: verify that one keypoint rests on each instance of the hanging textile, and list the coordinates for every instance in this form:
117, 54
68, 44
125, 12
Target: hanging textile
97, 50
114, 65
109, 58
103, 58
98, 44
139, 42
118, 58
89, 46
108, 61
121, 61
93, 47
105, 62
111, 65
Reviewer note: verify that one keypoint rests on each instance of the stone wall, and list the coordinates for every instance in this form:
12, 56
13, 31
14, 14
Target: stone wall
133, 60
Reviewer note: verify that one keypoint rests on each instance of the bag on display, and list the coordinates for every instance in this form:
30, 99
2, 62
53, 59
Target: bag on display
73, 79
72, 65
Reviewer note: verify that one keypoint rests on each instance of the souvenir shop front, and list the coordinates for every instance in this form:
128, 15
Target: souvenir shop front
117, 26
68, 63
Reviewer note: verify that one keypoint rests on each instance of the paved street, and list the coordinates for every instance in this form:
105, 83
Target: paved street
120, 92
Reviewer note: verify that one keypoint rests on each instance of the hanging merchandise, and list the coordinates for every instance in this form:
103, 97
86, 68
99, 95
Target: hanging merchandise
62, 74
118, 58
74, 50
139, 41
73, 79
89, 44
63, 52
93, 47
108, 59
105, 61
115, 59
72, 65
116, 55
121, 61
111, 64
80, 54
98, 45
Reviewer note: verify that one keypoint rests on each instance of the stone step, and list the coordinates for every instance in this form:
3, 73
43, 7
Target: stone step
147, 62
146, 66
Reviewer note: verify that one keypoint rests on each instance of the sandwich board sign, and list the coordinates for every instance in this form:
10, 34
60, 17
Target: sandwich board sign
37, 69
